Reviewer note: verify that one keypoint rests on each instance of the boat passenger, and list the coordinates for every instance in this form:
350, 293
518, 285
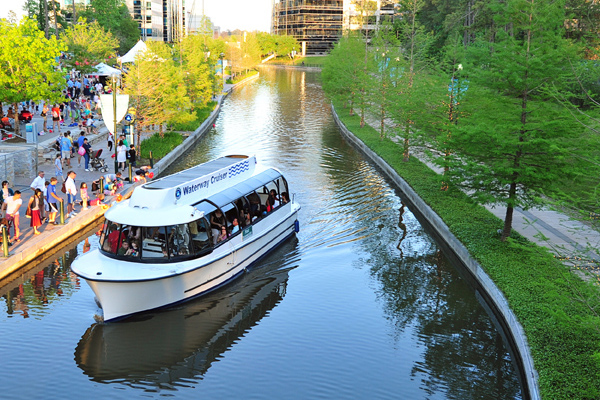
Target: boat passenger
115, 238
285, 198
124, 249
272, 201
223, 235
236, 226
217, 221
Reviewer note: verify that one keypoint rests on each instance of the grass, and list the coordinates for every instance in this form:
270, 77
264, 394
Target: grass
310, 61
240, 77
556, 308
160, 146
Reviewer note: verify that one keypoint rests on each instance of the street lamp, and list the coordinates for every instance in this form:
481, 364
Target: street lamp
223, 69
113, 80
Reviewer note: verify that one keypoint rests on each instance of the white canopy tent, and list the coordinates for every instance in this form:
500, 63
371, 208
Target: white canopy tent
106, 70
140, 47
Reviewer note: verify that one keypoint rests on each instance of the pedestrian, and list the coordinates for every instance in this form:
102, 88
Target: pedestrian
52, 199
58, 167
5, 192
44, 116
56, 118
12, 213
111, 141
38, 182
121, 155
46, 209
71, 193
132, 155
35, 204
65, 147
85, 198
79, 145
86, 156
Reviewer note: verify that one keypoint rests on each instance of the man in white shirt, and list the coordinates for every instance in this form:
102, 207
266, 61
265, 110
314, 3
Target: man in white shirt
12, 212
39, 182
71, 193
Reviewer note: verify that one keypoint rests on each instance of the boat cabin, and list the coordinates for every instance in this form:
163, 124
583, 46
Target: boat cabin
174, 219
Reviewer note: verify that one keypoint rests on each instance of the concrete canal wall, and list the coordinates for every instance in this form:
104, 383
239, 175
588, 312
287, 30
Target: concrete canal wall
486, 284
40, 245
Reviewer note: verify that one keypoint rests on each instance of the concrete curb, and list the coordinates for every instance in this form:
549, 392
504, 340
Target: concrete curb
296, 67
481, 277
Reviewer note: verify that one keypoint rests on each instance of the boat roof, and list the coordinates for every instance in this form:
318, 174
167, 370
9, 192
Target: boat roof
172, 201
193, 173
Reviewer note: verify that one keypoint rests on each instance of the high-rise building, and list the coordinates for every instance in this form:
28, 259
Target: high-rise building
159, 19
318, 24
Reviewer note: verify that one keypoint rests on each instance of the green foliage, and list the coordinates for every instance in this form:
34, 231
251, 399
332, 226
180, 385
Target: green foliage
160, 145
555, 308
114, 17
157, 87
198, 75
89, 44
200, 115
28, 69
282, 45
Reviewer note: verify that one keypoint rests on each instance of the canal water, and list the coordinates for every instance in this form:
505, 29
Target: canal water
362, 304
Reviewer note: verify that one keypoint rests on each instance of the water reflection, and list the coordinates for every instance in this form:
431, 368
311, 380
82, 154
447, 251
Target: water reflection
163, 350
34, 292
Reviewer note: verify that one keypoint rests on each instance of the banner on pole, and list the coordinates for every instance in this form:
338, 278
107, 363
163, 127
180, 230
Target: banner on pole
106, 101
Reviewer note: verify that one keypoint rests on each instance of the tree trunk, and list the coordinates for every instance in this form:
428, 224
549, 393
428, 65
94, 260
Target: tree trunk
508, 219
406, 151
55, 19
17, 123
46, 22
74, 16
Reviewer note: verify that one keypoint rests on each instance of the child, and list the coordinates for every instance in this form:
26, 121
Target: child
97, 201
58, 168
84, 195
132, 155
109, 188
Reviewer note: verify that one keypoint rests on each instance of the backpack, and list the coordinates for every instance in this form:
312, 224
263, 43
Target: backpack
54, 114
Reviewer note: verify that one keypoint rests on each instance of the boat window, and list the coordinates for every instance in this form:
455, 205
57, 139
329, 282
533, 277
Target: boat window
201, 236
243, 207
255, 205
154, 242
179, 241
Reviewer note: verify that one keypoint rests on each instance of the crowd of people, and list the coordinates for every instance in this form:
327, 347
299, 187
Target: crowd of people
44, 204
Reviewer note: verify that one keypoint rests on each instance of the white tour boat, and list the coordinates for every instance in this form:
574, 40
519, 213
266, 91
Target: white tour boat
186, 234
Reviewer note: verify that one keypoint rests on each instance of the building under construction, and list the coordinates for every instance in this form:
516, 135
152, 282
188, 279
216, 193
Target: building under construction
318, 24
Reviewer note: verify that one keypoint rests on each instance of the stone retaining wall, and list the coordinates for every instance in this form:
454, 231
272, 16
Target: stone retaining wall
479, 275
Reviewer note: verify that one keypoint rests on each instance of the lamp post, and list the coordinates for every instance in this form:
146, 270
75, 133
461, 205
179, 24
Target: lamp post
114, 97
223, 69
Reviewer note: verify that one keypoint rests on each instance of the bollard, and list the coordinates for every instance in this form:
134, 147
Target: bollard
130, 173
151, 161
62, 212
101, 184
5, 240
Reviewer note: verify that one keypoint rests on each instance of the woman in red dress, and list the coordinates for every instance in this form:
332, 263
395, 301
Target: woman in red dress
35, 205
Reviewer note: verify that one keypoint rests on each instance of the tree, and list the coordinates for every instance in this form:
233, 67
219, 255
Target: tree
343, 73
28, 69
157, 87
415, 42
198, 75
518, 143
88, 45
114, 17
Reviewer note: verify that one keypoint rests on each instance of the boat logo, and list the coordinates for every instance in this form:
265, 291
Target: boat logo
178, 193
239, 168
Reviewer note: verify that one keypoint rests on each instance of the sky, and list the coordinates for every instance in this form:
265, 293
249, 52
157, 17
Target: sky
227, 14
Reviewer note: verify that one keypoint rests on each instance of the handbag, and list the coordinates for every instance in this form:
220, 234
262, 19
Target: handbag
81, 151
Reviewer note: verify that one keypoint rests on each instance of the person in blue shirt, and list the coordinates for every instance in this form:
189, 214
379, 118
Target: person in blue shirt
52, 199
65, 148
79, 144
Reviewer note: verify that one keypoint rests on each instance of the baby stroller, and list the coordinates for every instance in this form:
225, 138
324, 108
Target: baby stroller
97, 163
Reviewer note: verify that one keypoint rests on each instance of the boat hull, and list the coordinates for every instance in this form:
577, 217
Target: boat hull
186, 280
